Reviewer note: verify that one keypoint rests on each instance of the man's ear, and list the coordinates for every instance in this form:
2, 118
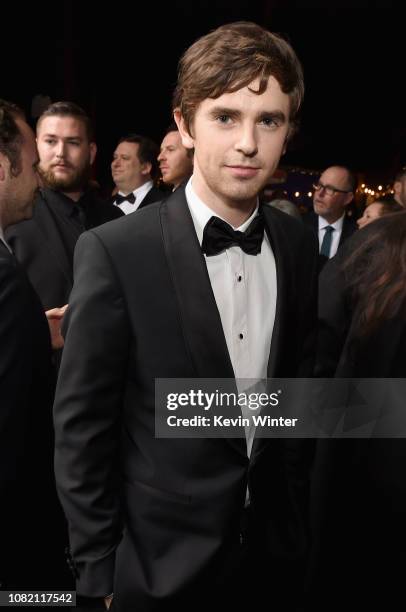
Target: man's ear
348, 198
93, 151
187, 140
4, 167
146, 168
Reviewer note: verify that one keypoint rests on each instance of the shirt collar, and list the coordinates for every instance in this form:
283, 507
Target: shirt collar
140, 192
338, 225
63, 202
201, 213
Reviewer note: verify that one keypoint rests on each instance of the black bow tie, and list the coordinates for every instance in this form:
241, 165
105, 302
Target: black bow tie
128, 198
219, 235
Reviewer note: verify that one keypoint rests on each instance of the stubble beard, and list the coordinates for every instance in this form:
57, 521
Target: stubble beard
76, 181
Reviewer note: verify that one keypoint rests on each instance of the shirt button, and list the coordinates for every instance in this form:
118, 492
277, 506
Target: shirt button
241, 336
239, 278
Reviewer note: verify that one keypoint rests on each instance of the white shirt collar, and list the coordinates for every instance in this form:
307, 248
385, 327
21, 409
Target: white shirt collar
338, 225
140, 192
201, 213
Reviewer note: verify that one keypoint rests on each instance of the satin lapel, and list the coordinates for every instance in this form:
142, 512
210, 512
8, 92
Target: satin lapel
200, 319
280, 247
53, 240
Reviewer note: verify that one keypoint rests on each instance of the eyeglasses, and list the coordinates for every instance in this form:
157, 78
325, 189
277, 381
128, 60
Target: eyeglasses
329, 190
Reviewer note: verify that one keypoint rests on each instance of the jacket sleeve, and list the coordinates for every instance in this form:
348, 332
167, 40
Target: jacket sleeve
87, 412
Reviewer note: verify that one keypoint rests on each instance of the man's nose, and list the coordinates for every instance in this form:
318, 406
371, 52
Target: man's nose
60, 149
247, 140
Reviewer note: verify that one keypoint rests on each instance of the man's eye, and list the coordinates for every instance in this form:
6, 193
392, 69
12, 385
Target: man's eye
269, 121
224, 119
50, 141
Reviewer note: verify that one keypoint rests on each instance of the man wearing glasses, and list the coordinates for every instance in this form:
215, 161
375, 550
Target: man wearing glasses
332, 194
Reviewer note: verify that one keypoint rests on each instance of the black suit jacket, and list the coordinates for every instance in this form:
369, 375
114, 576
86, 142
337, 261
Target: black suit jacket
27, 490
44, 245
349, 228
181, 499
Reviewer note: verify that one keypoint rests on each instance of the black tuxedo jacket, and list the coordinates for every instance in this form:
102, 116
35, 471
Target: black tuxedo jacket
45, 243
27, 489
142, 308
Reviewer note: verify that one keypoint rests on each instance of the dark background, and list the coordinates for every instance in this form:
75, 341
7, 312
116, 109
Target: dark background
119, 62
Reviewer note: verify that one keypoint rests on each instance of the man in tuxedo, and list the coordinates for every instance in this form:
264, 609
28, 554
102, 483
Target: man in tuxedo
134, 168
65, 207
333, 192
175, 160
30, 518
225, 289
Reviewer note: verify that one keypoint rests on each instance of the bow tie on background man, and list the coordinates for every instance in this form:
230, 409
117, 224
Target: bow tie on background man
219, 235
128, 198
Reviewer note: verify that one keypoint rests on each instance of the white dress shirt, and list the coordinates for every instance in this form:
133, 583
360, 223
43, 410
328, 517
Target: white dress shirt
335, 238
139, 193
244, 288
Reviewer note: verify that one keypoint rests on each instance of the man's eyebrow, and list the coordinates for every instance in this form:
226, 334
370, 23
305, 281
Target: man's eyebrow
224, 110
62, 137
275, 115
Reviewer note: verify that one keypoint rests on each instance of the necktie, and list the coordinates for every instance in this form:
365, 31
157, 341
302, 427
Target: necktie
219, 235
327, 239
128, 198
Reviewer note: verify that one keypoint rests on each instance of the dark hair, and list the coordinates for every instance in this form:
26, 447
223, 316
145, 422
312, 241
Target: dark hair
148, 151
388, 206
232, 57
375, 272
11, 138
68, 109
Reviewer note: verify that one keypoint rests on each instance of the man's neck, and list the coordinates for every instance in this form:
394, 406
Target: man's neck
126, 189
73, 195
232, 211
331, 220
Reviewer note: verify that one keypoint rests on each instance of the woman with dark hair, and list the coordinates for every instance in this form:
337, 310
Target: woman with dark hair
378, 209
359, 485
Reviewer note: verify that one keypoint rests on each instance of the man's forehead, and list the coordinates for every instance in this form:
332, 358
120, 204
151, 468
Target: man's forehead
62, 126
172, 138
130, 148
271, 99
334, 175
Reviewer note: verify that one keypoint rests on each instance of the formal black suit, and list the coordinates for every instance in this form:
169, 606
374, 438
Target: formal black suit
31, 553
349, 227
142, 308
44, 245
359, 490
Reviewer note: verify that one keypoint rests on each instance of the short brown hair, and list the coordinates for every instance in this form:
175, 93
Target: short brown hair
68, 109
230, 58
11, 138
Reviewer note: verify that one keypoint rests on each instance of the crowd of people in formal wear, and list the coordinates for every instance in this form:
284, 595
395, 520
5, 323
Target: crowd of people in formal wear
186, 272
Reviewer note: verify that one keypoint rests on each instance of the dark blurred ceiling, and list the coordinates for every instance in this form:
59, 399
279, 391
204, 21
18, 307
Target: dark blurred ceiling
120, 64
